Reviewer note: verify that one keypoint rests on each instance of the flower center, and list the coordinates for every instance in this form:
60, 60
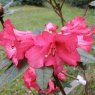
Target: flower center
52, 50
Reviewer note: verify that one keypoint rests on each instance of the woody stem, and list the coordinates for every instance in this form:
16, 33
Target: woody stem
59, 85
57, 7
2, 21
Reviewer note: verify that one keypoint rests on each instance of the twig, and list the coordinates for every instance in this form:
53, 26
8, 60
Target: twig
62, 3
85, 13
73, 84
87, 87
59, 85
57, 7
2, 21
69, 76
1, 13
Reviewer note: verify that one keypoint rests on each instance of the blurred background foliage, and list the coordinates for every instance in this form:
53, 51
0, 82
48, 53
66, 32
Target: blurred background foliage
78, 3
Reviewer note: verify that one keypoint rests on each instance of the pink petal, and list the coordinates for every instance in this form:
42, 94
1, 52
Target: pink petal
51, 27
69, 58
36, 56
61, 76
51, 86
77, 26
85, 42
30, 79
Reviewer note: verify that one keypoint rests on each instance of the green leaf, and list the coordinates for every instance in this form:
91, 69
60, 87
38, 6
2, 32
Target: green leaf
12, 73
66, 84
43, 76
4, 63
86, 58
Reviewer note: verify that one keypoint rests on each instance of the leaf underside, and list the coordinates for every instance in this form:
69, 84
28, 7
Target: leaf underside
4, 63
86, 58
43, 76
12, 73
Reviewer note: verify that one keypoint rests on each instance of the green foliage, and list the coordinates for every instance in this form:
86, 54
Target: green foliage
4, 63
78, 3
43, 76
86, 58
33, 2
24, 2
12, 72
29, 2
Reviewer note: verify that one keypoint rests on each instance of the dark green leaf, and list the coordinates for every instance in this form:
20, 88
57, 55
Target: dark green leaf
43, 76
86, 58
12, 73
66, 84
4, 63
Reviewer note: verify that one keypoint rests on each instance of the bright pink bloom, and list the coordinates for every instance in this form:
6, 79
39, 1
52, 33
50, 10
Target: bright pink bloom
51, 27
76, 26
85, 42
61, 75
79, 28
53, 49
30, 81
51, 88
15, 42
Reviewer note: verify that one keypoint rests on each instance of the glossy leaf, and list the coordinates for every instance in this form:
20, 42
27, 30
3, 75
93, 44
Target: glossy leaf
43, 76
86, 58
12, 73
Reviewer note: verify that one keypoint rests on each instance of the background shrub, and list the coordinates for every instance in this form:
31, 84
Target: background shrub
23, 2
78, 3
30, 2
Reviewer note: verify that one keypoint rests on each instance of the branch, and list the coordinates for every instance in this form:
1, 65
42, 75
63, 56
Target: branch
67, 90
58, 9
59, 85
86, 10
1, 14
62, 3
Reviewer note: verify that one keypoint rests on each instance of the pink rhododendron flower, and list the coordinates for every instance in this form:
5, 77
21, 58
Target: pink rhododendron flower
61, 75
79, 28
30, 81
76, 26
53, 49
51, 27
15, 42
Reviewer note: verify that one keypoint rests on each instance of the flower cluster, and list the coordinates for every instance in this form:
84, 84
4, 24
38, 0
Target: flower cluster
50, 48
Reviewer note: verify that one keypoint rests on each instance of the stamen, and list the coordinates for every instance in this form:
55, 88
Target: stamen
52, 51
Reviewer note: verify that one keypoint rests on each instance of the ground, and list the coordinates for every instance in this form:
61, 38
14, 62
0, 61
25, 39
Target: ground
34, 18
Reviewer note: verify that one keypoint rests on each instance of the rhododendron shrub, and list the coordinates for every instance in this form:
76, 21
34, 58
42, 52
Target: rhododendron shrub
49, 49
